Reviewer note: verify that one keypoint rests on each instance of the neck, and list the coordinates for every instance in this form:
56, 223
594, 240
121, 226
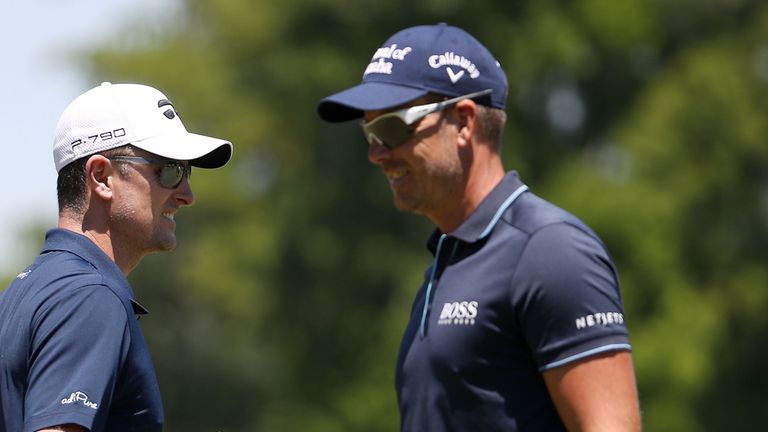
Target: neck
101, 236
479, 181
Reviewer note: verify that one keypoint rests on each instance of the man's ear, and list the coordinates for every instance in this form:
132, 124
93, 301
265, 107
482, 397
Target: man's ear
99, 172
466, 111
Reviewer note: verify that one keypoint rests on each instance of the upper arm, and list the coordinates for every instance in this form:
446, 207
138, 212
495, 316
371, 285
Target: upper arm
597, 393
79, 344
65, 428
572, 317
566, 299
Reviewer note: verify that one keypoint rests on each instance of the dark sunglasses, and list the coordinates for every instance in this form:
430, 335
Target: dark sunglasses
171, 171
392, 129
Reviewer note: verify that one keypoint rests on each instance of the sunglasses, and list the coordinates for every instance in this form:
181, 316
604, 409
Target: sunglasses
171, 171
393, 128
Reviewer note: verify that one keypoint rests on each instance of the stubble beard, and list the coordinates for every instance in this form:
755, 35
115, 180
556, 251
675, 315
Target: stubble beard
139, 237
440, 188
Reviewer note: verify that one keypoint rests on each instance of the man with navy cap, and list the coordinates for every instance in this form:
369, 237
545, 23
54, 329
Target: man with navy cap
518, 324
72, 356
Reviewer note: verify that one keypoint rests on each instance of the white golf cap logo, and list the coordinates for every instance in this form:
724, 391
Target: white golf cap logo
169, 113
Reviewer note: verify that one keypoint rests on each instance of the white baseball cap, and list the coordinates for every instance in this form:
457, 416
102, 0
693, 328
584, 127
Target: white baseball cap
114, 115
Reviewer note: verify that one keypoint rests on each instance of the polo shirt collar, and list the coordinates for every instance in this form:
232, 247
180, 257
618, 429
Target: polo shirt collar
474, 228
59, 239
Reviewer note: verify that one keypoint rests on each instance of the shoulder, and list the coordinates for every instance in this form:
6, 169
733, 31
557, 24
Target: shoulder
548, 231
95, 304
560, 252
530, 214
60, 270
62, 278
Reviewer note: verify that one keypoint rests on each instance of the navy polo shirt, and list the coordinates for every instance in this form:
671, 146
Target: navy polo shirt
71, 350
520, 287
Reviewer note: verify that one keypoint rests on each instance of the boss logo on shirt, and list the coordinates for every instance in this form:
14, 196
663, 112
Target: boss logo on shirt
458, 313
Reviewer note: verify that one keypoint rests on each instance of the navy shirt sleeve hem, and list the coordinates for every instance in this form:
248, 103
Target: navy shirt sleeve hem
50, 420
606, 345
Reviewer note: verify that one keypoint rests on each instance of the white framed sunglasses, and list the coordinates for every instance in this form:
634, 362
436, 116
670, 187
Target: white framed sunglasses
392, 129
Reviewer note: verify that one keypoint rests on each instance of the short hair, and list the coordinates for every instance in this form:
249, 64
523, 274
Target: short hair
71, 183
489, 125
70, 186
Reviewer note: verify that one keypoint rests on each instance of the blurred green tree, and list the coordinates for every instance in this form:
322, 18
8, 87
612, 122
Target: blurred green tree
283, 306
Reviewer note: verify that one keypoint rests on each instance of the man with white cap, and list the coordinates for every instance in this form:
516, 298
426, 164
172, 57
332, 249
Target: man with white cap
518, 324
72, 356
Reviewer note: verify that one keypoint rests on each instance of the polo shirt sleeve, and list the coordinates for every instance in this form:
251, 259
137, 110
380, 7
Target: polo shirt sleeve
566, 297
80, 341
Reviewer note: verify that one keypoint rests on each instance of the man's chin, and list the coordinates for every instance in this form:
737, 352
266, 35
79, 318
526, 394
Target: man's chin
407, 206
169, 247
401, 204
166, 244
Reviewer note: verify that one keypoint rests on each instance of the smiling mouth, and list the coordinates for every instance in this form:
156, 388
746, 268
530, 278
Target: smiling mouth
395, 175
168, 215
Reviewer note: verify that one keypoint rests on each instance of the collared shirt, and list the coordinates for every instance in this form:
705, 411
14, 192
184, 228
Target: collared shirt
520, 287
71, 350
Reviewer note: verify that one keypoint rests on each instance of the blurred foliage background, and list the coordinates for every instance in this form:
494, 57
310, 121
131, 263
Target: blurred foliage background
283, 306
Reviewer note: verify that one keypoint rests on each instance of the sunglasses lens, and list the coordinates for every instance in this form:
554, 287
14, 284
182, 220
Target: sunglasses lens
172, 174
388, 129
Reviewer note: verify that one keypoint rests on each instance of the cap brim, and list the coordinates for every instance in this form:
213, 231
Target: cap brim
200, 150
371, 96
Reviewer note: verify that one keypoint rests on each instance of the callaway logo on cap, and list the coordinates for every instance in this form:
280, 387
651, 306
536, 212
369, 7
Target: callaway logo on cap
438, 59
114, 115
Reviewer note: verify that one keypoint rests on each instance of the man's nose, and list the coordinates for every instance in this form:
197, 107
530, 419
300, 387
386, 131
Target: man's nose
184, 195
378, 152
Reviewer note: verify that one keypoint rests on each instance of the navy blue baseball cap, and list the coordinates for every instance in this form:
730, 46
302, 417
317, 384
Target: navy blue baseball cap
439, 58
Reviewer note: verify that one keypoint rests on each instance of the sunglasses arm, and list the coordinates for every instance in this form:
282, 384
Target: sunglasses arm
412, 114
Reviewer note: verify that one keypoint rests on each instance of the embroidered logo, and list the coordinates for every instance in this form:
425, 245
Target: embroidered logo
169, 113
24, 274
458, 313
454, 77
79, 397
380, 62
599, 318
452, 59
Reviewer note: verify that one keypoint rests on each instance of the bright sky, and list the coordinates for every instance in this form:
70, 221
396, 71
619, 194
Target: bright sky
38, 78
